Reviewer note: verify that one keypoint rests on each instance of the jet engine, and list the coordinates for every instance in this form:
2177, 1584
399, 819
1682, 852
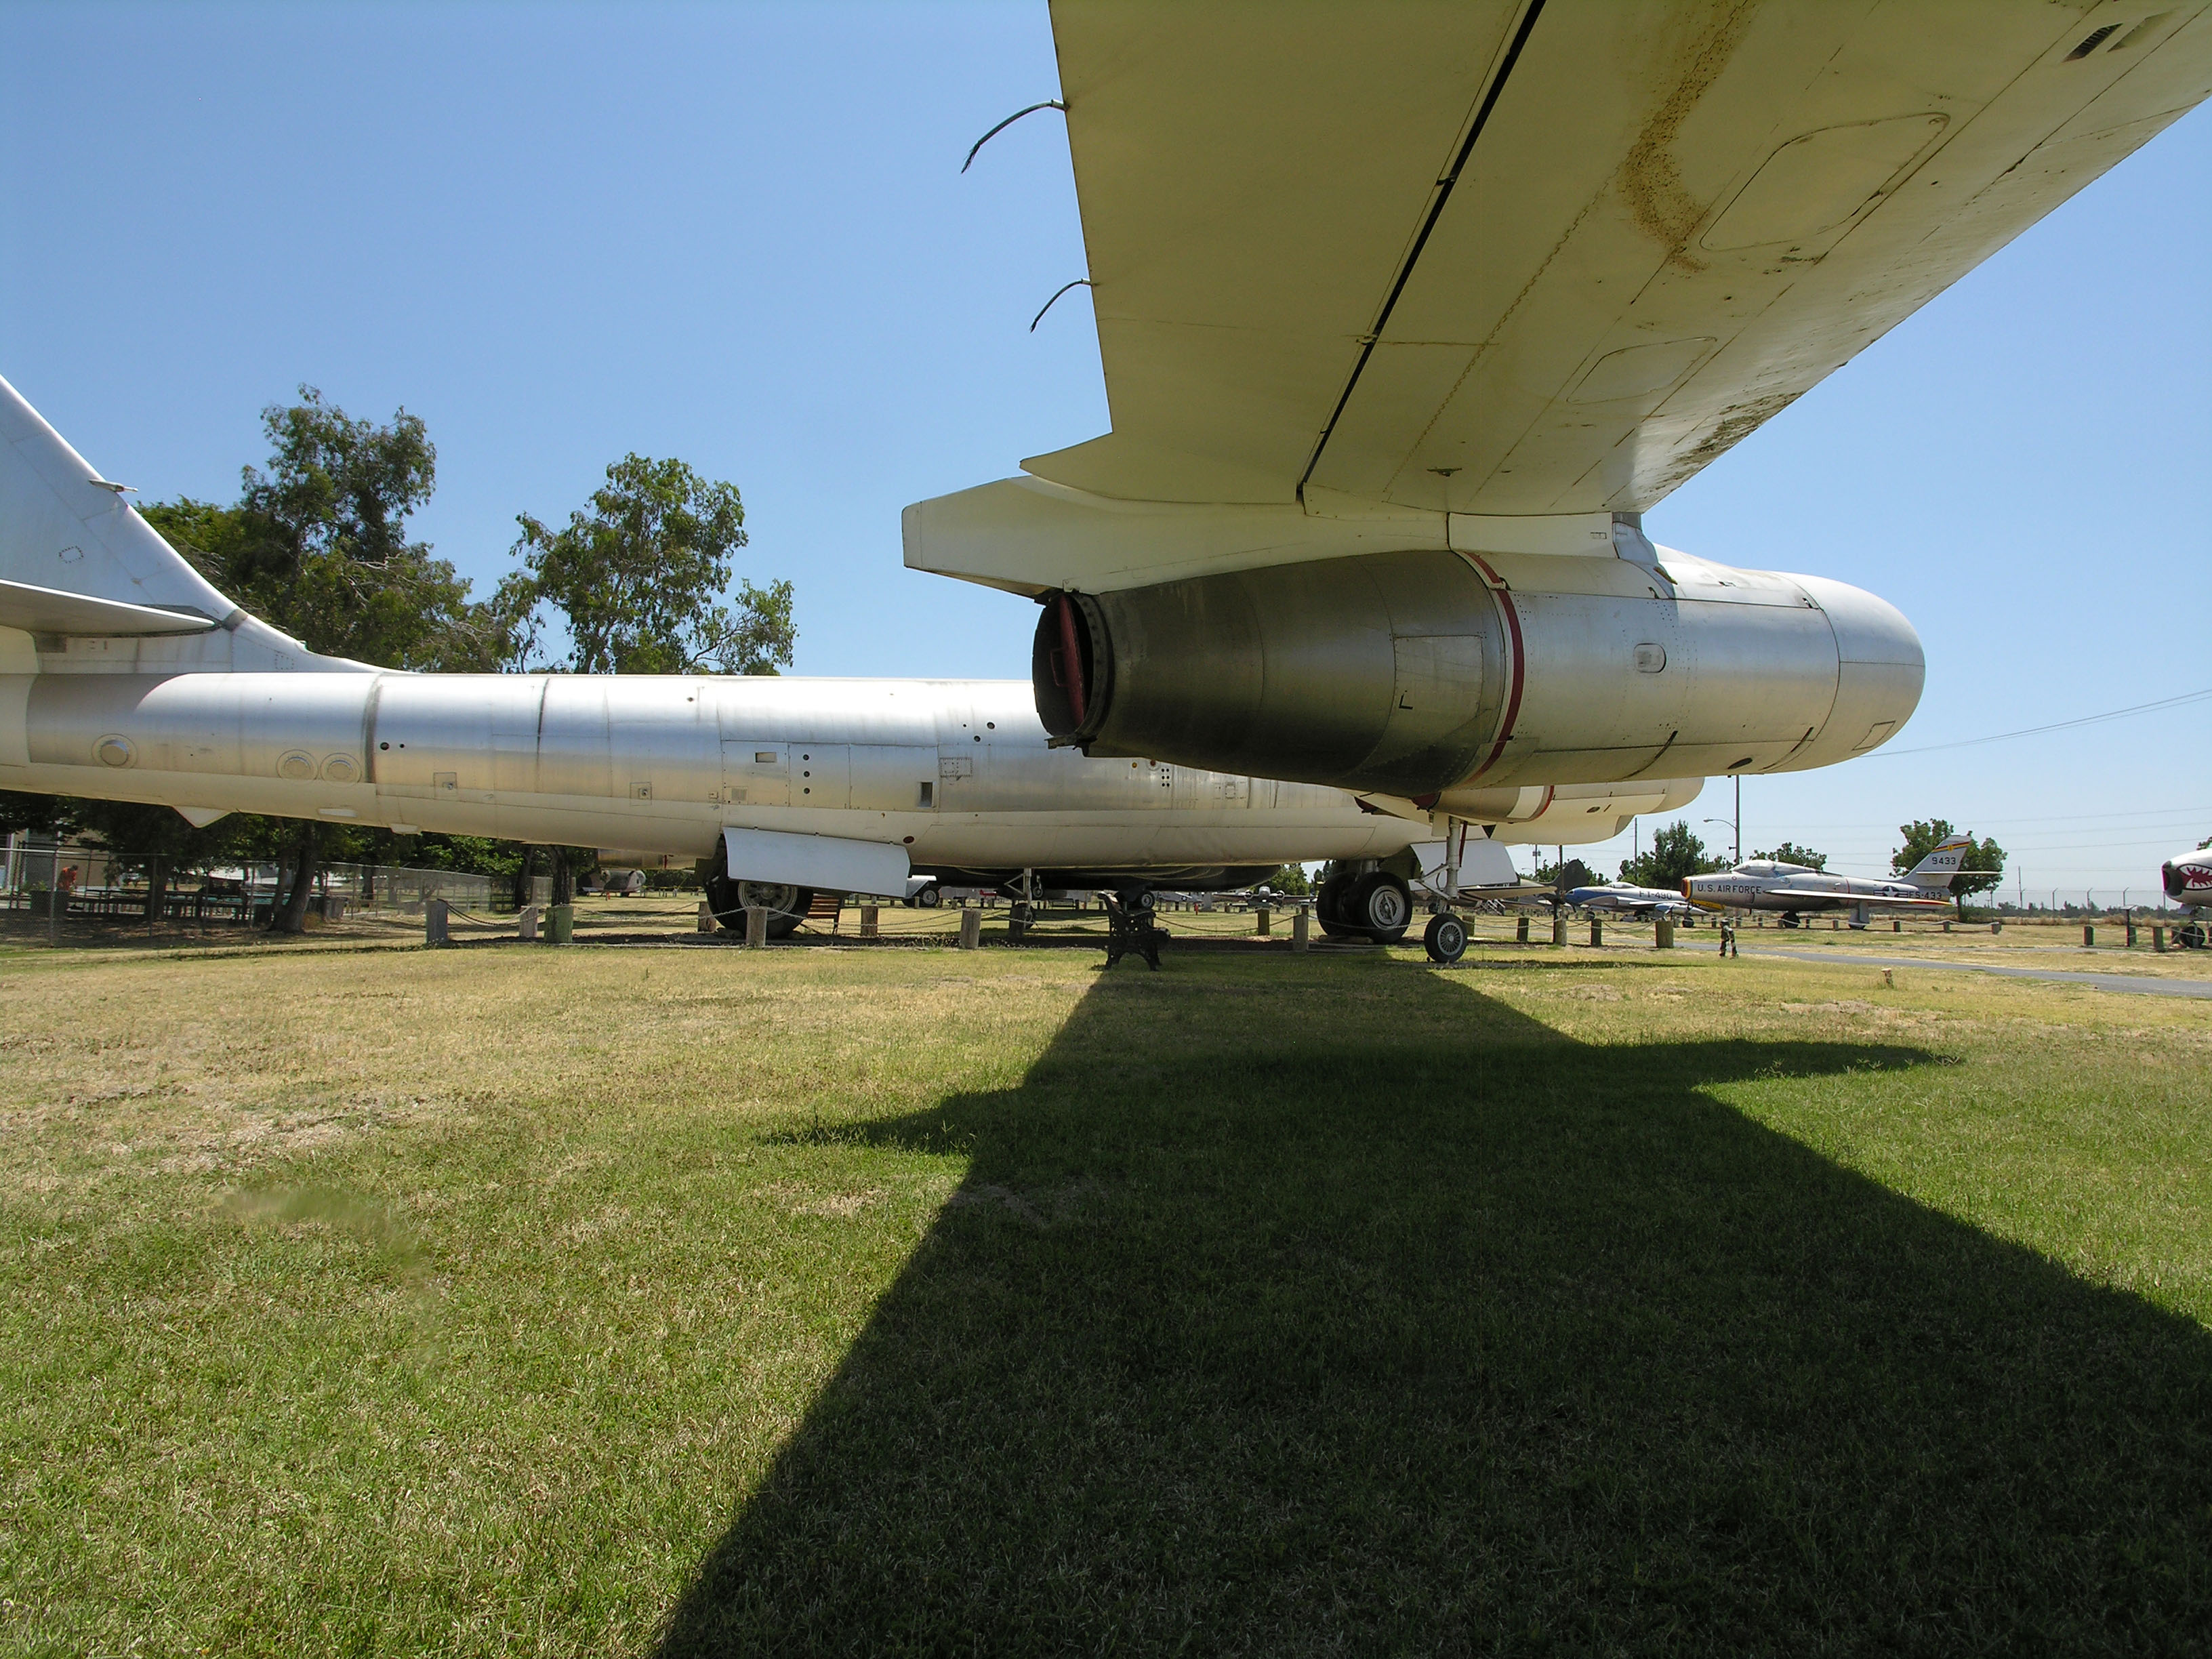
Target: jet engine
1413, 673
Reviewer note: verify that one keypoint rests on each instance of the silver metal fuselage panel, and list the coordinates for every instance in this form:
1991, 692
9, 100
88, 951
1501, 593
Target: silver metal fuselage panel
958, 772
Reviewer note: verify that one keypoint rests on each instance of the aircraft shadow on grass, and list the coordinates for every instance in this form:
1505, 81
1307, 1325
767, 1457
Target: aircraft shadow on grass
1405, 1322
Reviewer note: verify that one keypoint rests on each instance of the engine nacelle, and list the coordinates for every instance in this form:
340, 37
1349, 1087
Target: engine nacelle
1417, 672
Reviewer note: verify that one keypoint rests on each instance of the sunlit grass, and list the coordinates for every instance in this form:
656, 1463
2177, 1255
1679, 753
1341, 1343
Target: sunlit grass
480, 1301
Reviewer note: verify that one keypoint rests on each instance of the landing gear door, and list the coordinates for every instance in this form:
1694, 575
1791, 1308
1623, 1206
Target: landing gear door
756, 774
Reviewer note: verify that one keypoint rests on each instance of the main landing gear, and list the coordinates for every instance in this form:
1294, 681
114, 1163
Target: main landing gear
1376, 906
787, 905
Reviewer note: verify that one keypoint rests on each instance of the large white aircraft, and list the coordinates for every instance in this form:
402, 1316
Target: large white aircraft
1798, 890
124, 676
1409, 313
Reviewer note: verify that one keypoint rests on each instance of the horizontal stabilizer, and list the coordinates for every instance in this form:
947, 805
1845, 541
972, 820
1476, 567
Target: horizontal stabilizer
50, 610
828, 863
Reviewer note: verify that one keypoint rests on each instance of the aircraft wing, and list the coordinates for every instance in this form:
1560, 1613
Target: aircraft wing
1826, 898
1511, 258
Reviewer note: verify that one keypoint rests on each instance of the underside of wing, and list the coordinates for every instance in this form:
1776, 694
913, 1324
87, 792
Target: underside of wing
1536, 257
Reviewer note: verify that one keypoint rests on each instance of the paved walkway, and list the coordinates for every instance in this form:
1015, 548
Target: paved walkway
2142, 985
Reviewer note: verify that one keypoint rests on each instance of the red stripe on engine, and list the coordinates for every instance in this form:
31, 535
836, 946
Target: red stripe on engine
1072, 655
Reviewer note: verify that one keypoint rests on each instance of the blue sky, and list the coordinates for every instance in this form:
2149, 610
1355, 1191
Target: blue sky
739, 235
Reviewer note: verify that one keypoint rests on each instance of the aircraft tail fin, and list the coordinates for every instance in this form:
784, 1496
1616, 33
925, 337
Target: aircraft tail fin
75, 557
1944, 861
86, 578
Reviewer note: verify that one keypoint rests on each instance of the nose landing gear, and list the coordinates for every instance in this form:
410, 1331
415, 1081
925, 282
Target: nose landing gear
1445, 938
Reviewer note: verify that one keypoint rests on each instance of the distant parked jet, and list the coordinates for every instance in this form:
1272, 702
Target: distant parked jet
1795, 889
1629, 900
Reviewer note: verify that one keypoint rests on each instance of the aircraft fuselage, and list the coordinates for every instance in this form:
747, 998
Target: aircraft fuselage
957, 772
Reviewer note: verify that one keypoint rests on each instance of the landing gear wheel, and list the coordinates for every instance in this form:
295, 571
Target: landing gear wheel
1381, 907
1328, 907
786, 905
1445, 939
928, 896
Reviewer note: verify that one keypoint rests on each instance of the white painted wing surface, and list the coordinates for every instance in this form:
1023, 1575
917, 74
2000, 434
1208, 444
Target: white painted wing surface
1549, 257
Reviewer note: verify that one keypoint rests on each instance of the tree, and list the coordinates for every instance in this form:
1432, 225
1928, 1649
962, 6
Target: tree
1790, 853
638, 580
1675, 854
1290, 879
1981, 869
318, 546
34, 815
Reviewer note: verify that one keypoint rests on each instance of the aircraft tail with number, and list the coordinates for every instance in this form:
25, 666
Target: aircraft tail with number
1937, 870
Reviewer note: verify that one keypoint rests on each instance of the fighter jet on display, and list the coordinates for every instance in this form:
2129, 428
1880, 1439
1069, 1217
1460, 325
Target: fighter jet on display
124, 676
2187, 878
1795, 889
1629, 900
1408, 313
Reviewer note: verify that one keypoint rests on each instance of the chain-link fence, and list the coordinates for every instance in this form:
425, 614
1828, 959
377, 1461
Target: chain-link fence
84, 879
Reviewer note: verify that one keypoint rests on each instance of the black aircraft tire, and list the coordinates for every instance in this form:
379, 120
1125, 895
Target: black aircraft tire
787, 905
1381, 907
1445, 938
928, 896
1328, 901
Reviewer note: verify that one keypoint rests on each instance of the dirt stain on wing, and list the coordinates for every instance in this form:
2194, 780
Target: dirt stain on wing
1648, 178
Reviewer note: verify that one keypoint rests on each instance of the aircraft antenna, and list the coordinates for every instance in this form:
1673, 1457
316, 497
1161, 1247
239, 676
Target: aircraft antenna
1080, 282
1049, 103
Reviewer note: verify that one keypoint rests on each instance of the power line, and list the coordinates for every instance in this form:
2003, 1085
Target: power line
2057, 725
2116, 819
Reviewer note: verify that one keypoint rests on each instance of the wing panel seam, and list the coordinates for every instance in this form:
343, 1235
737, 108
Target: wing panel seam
1437, 205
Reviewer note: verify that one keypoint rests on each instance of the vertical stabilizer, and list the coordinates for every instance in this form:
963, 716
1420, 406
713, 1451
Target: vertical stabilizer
96, 585
63, 527
1946, 860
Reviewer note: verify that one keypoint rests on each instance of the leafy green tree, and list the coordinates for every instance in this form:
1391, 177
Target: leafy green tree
1675, 853
34, 815
1291, 879
1790, 853
1982, 868
318, 546
638, 580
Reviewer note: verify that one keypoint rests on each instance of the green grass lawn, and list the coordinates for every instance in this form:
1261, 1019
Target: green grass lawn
509, 1300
